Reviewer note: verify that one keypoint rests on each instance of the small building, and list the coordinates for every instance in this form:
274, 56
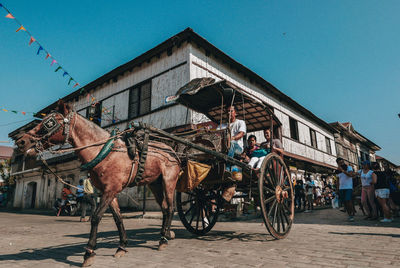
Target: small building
392, 166
136, 91
352, 146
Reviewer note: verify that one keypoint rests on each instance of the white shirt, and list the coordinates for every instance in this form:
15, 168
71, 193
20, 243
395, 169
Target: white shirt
345, 182
236, 127
366, 178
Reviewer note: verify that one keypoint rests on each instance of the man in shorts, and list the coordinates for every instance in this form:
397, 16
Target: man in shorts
346, 174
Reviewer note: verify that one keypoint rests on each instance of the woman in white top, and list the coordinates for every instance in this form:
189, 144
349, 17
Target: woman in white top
368, 190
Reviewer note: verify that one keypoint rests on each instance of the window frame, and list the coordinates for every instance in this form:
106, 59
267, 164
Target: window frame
313, 138
139, 99
294, 129
328, 145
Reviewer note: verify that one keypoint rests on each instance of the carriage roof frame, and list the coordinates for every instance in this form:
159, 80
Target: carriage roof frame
210, 97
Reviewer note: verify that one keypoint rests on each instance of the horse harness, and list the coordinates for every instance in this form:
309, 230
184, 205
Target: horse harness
137, 142
51, 126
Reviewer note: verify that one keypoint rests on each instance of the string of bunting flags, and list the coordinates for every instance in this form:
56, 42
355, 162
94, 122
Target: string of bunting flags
53, 62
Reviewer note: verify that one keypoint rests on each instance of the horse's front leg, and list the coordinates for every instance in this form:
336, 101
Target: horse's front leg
123, 241
88, 258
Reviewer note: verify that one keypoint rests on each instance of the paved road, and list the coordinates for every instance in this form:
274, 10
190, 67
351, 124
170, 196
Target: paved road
321, 238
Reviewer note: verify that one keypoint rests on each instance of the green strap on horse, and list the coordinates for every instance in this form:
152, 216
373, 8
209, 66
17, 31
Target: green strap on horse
102, 154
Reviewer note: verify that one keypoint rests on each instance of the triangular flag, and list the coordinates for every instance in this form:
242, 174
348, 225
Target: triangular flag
47, 56
77, 84
39, 49
43, 114
53, 61
58, 68
82, 89
21, 28
32, 40
65, 73
10, 16
14, 112
5, 110
69, 82
23, 113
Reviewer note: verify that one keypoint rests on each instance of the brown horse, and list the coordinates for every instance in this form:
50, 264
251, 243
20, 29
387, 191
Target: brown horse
111, 175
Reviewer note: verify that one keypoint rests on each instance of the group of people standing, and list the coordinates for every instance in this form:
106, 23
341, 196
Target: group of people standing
376, 184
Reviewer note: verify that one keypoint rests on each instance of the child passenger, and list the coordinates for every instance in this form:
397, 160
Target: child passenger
254, 153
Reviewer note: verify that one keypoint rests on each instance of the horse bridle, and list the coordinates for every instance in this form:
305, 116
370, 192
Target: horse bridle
52, 126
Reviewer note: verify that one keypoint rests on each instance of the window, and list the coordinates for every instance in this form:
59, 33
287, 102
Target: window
294, 131
93, 113
339, 149
140, 100
313, 137
328, 145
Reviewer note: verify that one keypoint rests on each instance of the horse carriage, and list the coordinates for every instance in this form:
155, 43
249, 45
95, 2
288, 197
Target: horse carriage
203, 155
193, 161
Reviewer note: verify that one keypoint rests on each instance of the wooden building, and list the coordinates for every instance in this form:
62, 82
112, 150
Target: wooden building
136, 91
352, 146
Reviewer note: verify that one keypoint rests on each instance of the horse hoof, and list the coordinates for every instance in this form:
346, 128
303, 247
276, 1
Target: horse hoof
162, 246
88, 262
120, 253
171, 235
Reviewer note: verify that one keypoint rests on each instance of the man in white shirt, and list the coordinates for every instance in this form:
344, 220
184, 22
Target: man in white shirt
237, 130
346, 174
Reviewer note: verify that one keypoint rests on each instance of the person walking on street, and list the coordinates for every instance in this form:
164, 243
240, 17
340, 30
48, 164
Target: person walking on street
382, 191
310, 194
368, 190
80, 193
88, 194
346, 174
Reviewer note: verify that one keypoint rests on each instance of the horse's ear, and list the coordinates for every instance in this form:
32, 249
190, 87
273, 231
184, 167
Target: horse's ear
63, 108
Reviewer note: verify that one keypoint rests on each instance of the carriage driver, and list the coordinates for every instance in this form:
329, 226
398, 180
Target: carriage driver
238, 130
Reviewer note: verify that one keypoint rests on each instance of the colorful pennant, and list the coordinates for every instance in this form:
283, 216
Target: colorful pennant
21, 28
32, 40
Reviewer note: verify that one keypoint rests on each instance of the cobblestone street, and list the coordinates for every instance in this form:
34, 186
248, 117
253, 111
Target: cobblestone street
321, 238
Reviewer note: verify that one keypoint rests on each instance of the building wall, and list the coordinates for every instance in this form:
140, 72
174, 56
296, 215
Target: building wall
207, 66
167, 74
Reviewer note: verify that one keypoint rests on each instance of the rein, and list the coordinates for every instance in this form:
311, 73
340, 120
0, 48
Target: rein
55, 174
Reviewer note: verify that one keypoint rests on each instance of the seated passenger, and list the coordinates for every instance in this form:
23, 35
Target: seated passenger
276, 143
254, 154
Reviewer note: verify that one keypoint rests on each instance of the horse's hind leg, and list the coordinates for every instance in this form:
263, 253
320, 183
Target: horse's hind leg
167, 210
96, 218
123, 241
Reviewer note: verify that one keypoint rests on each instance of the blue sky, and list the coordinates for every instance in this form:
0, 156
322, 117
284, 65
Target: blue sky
339, 59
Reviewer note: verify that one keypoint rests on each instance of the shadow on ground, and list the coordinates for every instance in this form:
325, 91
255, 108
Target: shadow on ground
137, 238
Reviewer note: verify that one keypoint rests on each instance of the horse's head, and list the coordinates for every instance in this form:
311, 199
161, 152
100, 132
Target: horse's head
53, 129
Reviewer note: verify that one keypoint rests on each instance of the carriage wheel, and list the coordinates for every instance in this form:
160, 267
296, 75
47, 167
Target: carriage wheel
198, 209
276, 196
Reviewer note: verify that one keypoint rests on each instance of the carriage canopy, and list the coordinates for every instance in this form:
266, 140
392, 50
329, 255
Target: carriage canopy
208, 97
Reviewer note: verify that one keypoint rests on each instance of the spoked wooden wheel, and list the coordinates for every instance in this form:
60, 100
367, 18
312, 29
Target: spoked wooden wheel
276, 196
198, 209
